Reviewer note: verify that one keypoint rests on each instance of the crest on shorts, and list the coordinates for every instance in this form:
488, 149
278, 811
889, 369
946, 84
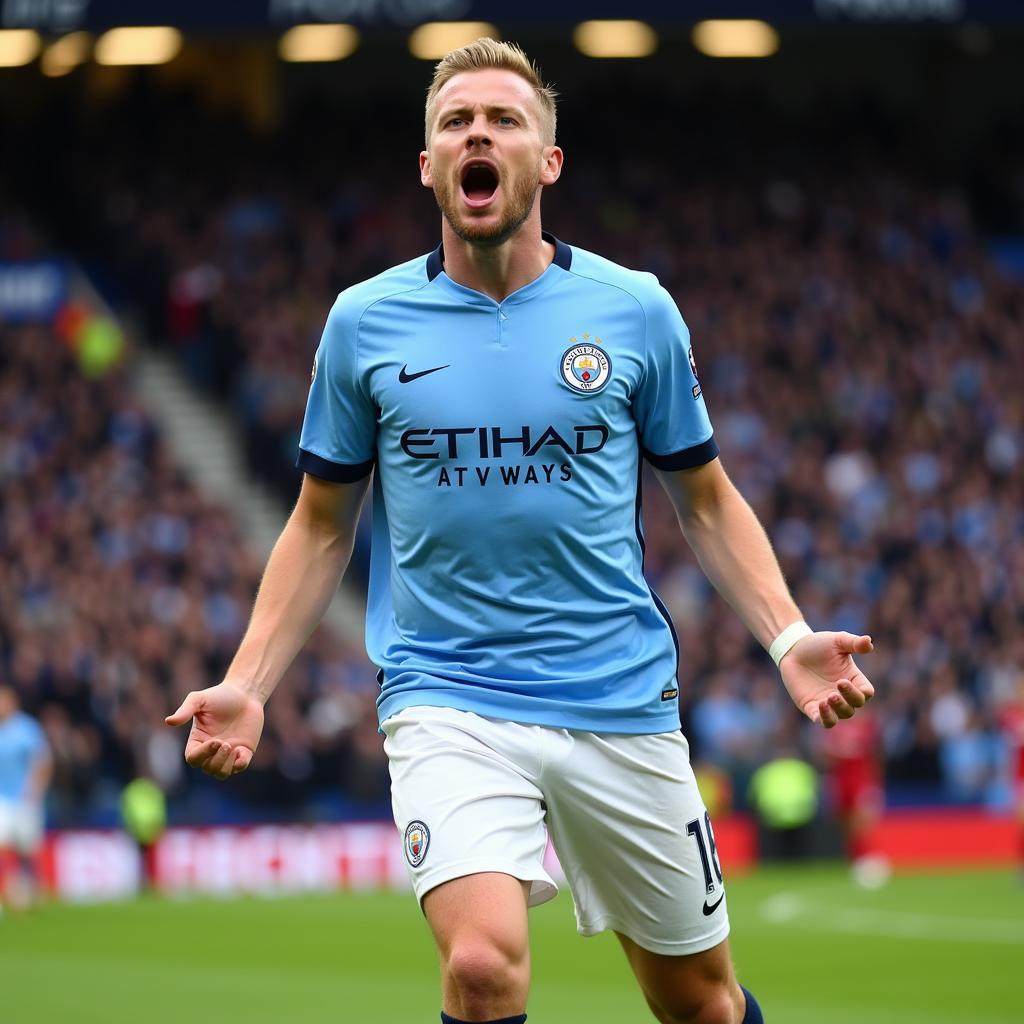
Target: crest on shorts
586, 367
417, 840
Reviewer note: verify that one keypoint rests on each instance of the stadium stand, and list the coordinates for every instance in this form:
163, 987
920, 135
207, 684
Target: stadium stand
121, 585
854, 337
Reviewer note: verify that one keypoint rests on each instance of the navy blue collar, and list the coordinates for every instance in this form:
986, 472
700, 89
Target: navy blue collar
563, 256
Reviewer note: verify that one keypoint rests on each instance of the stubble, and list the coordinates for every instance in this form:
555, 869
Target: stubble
519, 200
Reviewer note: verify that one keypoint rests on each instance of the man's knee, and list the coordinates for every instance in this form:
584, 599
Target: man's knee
713, 1004
484, 974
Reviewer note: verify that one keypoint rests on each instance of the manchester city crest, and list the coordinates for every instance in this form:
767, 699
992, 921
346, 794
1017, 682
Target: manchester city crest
586, 368
417, 839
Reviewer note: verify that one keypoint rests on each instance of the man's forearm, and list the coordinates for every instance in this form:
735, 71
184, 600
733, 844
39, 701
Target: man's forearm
39, 779
737, 557
298, 583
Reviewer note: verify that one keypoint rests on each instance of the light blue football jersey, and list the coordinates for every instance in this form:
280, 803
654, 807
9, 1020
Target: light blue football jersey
22, 744
506, 568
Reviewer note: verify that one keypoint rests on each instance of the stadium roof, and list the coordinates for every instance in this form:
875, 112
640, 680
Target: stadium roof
256, 15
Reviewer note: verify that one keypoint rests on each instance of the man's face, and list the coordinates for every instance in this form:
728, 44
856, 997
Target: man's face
487, 158
8, 702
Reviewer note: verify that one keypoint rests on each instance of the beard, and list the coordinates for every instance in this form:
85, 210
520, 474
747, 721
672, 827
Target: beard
520, 197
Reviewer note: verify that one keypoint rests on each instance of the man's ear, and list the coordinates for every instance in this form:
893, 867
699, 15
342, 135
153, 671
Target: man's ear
426, 177
551, 167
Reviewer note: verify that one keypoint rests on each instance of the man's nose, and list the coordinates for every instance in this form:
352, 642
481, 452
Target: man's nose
479, 133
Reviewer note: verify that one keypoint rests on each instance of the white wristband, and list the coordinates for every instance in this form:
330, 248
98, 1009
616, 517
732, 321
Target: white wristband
785, 640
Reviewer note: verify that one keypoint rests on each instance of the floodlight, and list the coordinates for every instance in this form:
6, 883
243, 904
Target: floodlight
615, 39
65, 54
18, 46
737, 37
155, 44
308, 43
436, 38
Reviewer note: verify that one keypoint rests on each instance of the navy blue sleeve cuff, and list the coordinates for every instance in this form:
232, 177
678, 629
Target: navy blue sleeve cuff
336, 472
688, 458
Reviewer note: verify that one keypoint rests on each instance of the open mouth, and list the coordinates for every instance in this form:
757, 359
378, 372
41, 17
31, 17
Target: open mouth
479, 183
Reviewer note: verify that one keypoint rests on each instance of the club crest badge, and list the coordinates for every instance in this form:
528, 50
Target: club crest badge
417, 840
585, 367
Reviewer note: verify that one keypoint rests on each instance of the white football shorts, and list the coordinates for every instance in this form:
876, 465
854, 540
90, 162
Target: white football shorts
473, 794
21, 826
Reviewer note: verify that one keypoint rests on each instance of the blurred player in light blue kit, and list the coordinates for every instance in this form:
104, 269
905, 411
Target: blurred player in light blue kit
504, 391
25, 772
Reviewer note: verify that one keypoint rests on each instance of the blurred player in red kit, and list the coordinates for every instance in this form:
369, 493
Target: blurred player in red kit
1012, 721
853, 759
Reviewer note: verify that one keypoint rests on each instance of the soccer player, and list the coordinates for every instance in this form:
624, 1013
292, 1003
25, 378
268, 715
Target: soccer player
503, 392
853, 756
1011, 720
25, 771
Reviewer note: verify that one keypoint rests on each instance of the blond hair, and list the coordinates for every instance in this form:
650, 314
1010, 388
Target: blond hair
490, 53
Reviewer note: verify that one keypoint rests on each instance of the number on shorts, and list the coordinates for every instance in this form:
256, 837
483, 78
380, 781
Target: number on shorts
707, 862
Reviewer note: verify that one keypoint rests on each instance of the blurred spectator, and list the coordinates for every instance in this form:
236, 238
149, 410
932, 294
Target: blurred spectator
144, 816
970, 760
784, 796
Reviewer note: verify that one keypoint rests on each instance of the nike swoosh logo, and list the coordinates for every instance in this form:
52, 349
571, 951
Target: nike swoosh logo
404, 378
708, 911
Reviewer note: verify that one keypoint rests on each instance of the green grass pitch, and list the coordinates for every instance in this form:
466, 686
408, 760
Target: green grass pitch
926, 949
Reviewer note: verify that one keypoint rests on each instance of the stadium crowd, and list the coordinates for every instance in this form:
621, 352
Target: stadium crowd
121, 585
860, 353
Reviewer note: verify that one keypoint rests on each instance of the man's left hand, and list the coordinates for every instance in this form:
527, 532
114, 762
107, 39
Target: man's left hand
821, 677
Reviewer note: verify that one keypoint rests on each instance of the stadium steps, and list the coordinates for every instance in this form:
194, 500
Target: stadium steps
207, 443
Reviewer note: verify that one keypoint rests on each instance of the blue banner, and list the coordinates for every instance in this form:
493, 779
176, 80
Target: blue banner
32, 291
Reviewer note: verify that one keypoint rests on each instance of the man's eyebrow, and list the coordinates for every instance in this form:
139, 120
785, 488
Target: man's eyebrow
458, 109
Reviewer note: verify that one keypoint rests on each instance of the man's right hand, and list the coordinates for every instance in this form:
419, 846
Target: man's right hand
226, 726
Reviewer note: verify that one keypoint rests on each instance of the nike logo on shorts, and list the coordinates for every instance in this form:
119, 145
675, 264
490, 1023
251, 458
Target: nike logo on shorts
404, 378
708, 911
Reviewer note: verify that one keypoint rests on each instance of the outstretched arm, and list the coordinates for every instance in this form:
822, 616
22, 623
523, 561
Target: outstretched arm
736, 555
300, 578
40, 777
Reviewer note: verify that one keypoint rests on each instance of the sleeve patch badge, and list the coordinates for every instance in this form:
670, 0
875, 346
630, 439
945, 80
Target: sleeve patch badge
693, 363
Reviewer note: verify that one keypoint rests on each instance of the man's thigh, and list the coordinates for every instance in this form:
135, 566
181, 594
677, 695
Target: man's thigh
490, 908
21, 827
7, 828
635, 841
465, 799
28, 835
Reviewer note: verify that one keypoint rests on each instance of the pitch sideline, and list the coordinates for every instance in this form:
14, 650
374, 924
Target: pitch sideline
795, 909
